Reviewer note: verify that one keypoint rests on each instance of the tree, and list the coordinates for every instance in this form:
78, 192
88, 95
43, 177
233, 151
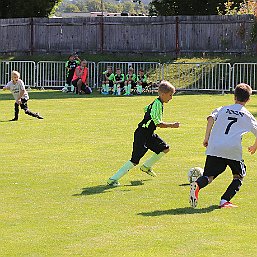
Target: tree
28, 8
188, 7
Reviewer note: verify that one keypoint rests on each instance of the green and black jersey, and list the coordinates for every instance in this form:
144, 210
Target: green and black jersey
71, 65
119, 77
153, 115
142, 78
133, 77
110, 76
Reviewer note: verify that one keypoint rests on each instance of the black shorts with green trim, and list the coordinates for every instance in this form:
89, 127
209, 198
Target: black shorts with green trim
143, 140
214, 166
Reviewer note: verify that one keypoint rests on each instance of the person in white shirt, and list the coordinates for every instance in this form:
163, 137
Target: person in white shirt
225, 128
17, 88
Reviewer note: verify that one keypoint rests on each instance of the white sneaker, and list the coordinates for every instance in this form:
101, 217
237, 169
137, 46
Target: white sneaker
148, 171
113, 182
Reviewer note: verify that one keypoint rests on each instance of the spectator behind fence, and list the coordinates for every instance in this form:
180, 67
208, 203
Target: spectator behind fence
119, 79
80, 79
130, 81
70, 66
107, 82
17, 88
141, 81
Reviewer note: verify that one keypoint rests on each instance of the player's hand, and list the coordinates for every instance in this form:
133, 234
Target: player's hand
252, 149
18, 102
175, 124
205, 142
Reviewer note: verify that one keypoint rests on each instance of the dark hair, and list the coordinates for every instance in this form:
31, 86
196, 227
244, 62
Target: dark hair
242, 92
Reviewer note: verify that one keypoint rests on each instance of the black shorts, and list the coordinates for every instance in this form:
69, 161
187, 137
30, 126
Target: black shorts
214, 166
75, 82
144, 141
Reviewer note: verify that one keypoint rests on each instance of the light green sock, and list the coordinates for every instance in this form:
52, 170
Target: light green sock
72, 88
139, 89
129, 89
103, 88
107, 88
115, 88
123, 170
153, 159
126, 89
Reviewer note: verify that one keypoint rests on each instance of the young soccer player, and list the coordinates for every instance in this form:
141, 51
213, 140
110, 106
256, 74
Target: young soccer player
119, 79
17, 88
141, 81
130, 82
145, 138
225, 128
70, 66
107, 82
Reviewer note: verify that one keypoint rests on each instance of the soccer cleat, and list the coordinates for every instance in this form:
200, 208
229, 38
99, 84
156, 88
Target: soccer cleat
193, 198
113, 182
14, 119
39, 116
228, 205
148, 171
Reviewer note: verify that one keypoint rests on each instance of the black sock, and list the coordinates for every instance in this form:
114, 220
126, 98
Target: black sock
202, 181
232, 189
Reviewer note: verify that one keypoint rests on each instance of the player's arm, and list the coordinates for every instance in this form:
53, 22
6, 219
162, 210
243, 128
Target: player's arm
210, 122
168, 124
156, 115
252, 149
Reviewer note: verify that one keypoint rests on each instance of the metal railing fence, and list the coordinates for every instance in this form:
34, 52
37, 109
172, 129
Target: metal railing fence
198, 76
184, 76
27, 70
51, 74
245, 73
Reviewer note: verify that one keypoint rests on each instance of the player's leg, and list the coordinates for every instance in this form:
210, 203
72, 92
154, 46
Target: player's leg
24, 106
79, 85
126, 88
115, 89
16, 112
138, 152
160, 148
103, 90
214, 166
239, 171
107, 87
139, 89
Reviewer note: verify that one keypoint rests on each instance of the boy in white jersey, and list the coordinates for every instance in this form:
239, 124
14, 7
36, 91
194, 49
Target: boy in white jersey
225, 128
17, 88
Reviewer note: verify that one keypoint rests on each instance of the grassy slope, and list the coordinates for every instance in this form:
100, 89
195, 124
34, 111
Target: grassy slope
53, 196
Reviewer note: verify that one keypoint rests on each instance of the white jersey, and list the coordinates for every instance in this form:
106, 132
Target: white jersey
231, 123
16, 88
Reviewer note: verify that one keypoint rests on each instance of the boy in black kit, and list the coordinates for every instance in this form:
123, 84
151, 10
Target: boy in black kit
145, 138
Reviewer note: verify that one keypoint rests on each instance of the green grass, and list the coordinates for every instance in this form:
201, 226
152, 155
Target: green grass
54, 201
146, 57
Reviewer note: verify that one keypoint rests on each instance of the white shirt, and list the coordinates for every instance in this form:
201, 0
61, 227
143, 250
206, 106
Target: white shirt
16, 88
231, 123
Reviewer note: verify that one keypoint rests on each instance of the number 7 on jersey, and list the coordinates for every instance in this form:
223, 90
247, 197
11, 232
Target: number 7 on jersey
233, 120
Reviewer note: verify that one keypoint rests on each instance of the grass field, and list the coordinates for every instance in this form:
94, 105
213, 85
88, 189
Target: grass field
54, 201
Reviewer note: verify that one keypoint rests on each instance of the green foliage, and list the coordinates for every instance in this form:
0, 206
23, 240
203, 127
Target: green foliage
187, 7
54, 200
245, 7
108, 6
28, 8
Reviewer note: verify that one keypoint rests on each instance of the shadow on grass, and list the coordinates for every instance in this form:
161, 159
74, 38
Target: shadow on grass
136, 183
100, 189
179, 211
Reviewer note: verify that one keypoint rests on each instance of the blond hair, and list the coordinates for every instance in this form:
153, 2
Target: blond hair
166, 87
14, 72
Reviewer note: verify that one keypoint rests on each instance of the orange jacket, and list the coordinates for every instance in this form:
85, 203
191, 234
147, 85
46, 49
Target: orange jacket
84, 75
